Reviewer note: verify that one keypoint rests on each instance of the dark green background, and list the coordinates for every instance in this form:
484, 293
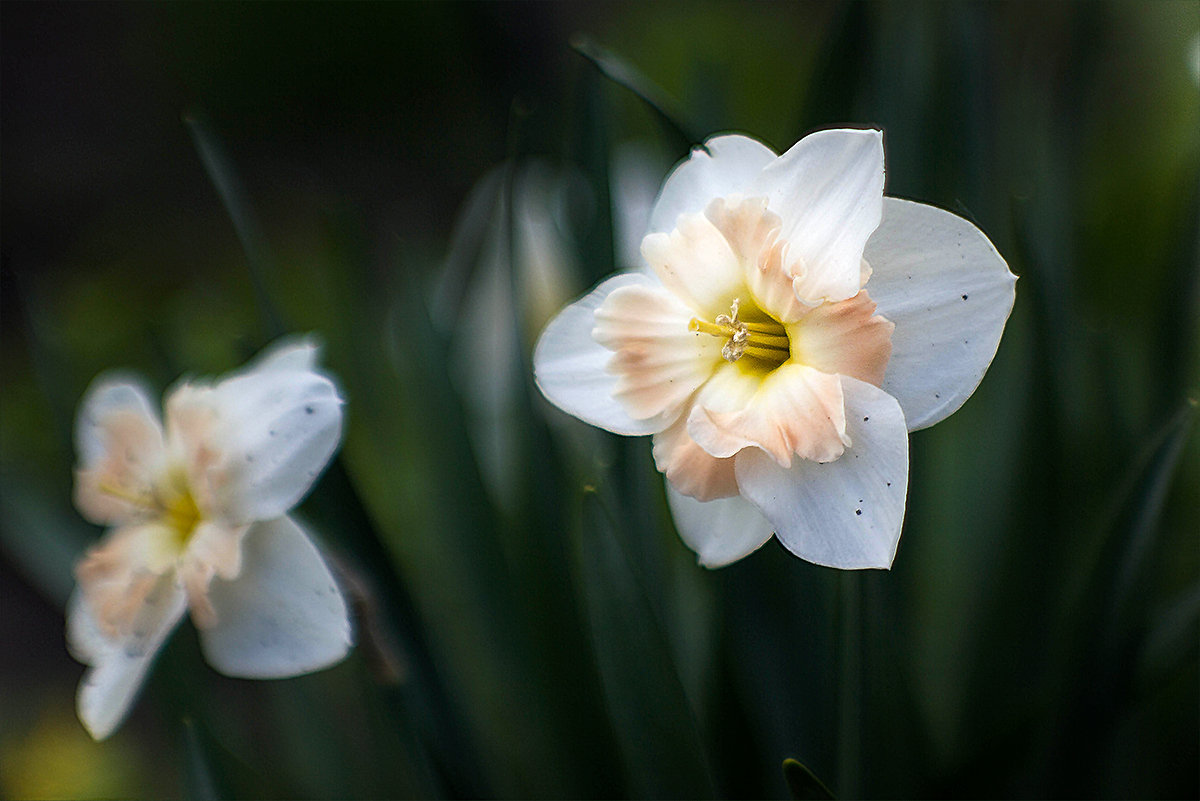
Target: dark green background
1038, 635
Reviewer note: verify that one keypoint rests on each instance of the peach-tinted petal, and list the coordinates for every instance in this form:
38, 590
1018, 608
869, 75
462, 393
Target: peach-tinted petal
796, 410
773, 286
747, 225
696, 263
845, 337
658, 362
571, 367
191, 437
107, 395
213, 550
689, 468
120, 446
752, 233
117, 575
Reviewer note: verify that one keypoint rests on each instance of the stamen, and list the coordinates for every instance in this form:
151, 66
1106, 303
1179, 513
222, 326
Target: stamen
767, 354
708, 328
144, 500
778, 341
766, 341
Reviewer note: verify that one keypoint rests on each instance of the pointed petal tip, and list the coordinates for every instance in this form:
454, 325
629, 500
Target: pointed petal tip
97, 726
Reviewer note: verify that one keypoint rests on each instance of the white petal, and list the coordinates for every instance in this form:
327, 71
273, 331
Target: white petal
939, 279
720, 531
845, 513
118, 667
828, 189
571, 367
283, 614
277, 428
731, 163
289, 353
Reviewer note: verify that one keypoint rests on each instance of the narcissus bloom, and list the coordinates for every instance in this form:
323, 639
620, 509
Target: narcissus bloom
198, 509
790, 327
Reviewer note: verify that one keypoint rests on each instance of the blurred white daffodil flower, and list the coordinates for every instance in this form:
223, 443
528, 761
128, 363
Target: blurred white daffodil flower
198, 509
792, 327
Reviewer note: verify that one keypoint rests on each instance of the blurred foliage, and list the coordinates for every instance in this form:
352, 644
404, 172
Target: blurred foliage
529, 624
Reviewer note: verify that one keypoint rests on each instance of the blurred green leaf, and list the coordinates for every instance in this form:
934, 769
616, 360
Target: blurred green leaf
43, 534
1172, 639
663, 753
1103, 625
851, 688
198, 781
802, 783
618, 70
210, 770
225, 180
591, 149
395, 640
1136, 524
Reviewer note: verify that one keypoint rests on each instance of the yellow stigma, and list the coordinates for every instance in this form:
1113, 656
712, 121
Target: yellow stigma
763, 340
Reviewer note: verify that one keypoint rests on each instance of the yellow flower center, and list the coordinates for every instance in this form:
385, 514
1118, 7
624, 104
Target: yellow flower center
761, 339
181, 514
171, 503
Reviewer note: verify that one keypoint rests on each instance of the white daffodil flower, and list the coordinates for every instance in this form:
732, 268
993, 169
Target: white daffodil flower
198, 509
793, 326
